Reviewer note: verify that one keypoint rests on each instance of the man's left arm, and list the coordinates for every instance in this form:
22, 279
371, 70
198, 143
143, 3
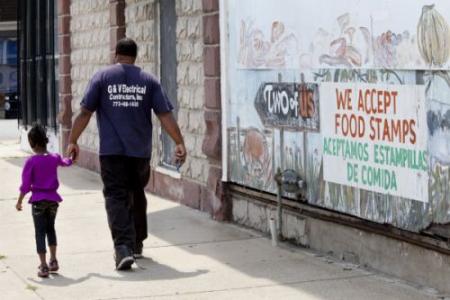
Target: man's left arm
169, 124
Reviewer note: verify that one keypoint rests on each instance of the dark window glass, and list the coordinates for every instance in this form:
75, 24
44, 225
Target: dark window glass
168, 64
2, 51
38, 94
11, 52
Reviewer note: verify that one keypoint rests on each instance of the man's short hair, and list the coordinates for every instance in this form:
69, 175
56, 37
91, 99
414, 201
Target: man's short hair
126, 47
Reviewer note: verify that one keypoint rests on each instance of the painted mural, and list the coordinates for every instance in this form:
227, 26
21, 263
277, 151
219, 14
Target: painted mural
294, 47
348, 34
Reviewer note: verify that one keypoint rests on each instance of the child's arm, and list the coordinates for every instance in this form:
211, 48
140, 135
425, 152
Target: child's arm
19, 202
26, 178
26, 183
64, 162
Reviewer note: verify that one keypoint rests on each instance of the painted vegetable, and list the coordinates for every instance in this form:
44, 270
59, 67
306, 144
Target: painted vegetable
433, 36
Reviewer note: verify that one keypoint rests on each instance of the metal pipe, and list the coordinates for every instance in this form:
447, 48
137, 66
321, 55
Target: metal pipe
273, 231
278, 179
279, 212
224, 88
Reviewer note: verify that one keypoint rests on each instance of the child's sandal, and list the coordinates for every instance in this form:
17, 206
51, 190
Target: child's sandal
53, 265
43, 272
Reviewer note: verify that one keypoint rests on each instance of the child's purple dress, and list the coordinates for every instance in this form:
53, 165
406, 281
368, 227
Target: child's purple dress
41, 178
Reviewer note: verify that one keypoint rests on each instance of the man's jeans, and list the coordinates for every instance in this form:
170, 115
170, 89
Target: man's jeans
44, 214
124, 179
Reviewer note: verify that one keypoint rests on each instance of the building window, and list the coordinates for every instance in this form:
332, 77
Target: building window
37, 67
168, 70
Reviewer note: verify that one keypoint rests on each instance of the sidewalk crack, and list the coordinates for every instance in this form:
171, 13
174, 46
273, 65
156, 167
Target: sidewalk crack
23, 280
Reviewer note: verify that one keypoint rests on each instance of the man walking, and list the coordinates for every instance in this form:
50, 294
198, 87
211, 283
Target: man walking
123, 96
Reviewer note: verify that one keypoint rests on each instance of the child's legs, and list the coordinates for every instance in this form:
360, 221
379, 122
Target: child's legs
40, 228
51, 211
52, 253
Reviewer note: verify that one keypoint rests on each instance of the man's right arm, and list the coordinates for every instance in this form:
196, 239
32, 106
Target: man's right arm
89, 104
79, 124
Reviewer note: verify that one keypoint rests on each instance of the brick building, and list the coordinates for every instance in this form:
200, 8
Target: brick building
178, 42
220, 65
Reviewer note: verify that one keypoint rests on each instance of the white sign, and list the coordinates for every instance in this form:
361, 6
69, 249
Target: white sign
374, 137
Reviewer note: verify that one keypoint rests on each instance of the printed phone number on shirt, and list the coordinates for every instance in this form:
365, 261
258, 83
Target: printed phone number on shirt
125, 104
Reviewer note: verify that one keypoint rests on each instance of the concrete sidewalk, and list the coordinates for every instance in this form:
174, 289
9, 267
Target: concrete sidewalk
187, 255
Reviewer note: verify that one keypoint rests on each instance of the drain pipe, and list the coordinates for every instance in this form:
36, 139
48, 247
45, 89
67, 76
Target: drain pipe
273, 231
276, 231
291, 182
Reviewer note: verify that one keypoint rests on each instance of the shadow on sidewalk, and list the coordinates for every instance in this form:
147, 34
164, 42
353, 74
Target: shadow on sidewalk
59, 280
241, 250
147, 269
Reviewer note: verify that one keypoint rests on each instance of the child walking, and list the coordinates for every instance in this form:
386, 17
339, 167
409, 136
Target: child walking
39, 176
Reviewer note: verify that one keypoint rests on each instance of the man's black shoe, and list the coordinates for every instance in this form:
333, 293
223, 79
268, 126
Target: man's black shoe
124, 258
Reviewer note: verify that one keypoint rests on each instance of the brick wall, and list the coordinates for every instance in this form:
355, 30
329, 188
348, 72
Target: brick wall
216, 192
96, 25
200, 185
89, 39
65, 80
141, 18
141, 25
190, 79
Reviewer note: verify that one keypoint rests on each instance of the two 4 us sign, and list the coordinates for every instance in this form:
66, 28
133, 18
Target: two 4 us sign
293, 106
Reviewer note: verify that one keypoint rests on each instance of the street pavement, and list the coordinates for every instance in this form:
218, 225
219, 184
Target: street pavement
9, 130
187, 255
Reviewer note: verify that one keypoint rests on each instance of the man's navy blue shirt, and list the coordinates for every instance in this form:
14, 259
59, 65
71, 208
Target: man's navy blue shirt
123, 97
